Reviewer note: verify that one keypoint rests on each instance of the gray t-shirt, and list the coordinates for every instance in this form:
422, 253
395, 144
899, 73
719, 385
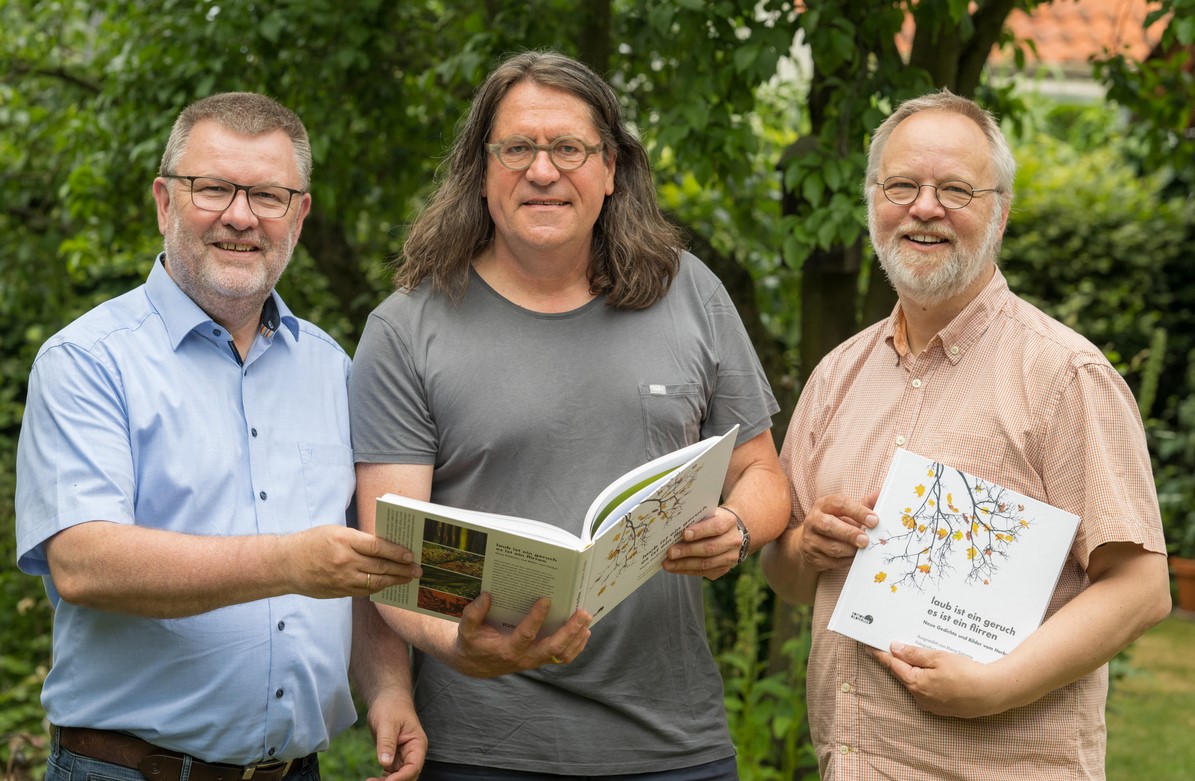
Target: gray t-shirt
532, 414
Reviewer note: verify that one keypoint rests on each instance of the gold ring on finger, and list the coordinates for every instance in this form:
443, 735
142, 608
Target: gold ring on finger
368, 578
557, 659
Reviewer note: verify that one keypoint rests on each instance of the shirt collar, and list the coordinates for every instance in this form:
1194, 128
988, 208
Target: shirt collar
181, 315
961, 332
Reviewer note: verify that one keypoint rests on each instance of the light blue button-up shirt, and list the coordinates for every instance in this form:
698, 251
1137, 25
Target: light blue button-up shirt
141, 412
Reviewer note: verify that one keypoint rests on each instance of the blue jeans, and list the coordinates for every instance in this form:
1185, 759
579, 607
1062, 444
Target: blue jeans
63, 765
719, 770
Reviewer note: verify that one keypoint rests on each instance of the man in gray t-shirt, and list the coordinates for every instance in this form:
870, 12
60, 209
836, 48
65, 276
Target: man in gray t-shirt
545, 338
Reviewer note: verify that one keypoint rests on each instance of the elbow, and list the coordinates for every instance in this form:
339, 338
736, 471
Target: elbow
72, 588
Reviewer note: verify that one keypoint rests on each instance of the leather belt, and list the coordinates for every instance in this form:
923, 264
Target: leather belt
158, 764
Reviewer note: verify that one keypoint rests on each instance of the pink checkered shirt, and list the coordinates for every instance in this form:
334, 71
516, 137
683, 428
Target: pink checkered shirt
1006, 393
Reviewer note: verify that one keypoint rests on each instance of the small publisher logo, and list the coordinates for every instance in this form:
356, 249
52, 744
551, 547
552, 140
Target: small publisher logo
861, 617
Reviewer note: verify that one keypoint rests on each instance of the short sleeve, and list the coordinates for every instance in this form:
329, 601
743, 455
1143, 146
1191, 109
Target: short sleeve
390, 415
1096, 463
74, 460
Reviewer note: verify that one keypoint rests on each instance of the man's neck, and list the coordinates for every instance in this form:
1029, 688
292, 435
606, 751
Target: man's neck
541, 283
924, 321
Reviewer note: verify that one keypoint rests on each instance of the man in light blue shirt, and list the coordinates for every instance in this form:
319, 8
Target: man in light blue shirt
184, 477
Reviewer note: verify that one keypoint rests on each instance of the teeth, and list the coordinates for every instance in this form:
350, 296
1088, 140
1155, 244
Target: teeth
922, 238
545, 203
234, 247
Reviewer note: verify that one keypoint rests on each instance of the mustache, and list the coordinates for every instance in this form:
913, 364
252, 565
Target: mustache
936, 227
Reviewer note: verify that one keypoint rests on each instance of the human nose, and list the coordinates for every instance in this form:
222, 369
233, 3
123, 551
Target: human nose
926, 205
542, 170
239, 214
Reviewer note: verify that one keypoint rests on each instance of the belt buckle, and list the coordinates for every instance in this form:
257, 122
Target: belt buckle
250, 770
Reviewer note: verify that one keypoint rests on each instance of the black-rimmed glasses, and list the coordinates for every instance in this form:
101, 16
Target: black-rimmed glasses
518, 152
267, 201
952, 195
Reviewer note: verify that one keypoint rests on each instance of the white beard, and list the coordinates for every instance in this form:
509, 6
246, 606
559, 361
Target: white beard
913, 276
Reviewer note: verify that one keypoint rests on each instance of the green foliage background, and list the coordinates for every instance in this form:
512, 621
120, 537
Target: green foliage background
762, 172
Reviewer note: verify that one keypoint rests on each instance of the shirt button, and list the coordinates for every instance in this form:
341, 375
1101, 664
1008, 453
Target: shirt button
844, 749
916, 383
281, 625
278, 694
253, 431
270, 752
217, 332
845, 688
954, 349
262, 495
900, 441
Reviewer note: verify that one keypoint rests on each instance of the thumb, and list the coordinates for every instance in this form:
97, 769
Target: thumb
387, 744
913, 655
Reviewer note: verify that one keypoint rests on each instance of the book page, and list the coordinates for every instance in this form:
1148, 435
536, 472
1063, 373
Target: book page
629, 490
461, 558
632, 545
957, 563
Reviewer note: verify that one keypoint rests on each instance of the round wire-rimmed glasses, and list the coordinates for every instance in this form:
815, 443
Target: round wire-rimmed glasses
267, 201
518, 152
953, 194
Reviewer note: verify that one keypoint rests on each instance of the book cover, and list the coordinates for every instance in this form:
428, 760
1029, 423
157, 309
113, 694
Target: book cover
625, 536
956, 562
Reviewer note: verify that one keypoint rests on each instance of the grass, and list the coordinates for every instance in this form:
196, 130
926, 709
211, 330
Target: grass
1151, 713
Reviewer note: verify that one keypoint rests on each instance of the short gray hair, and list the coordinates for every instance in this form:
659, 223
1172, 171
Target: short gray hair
1004, 164
246, 113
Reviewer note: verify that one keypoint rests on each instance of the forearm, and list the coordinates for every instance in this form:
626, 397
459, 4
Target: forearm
380, 660
435, 637
792, 578
1122, 602
160, 574
760, 498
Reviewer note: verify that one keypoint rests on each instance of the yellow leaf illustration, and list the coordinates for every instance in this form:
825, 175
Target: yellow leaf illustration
881, 577
920, 490
957, 535
923, 568
971, 552
943, 532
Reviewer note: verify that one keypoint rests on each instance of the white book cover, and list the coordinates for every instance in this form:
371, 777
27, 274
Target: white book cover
956, 562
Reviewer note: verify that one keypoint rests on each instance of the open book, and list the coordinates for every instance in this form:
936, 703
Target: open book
626, 535
956, 563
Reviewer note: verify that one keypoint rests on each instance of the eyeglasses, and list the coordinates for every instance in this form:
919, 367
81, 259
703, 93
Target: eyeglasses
952, 195
267, 201
518, 152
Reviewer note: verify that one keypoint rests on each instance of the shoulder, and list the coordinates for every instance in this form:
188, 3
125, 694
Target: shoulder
314, 337
1048, 340
103, 329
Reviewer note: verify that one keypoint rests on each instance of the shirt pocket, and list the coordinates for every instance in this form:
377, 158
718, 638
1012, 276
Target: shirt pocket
672, 416
328, 481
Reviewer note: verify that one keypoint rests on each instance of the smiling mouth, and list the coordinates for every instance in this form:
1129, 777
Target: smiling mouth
234, 247
925, 239
545, 203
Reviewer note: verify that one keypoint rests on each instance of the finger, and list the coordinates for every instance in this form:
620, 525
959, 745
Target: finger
473, 615
376, 547
850, 511
570, 638
528, 629
714, 526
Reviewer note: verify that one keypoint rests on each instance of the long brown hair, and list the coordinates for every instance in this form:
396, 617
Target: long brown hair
635, 252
